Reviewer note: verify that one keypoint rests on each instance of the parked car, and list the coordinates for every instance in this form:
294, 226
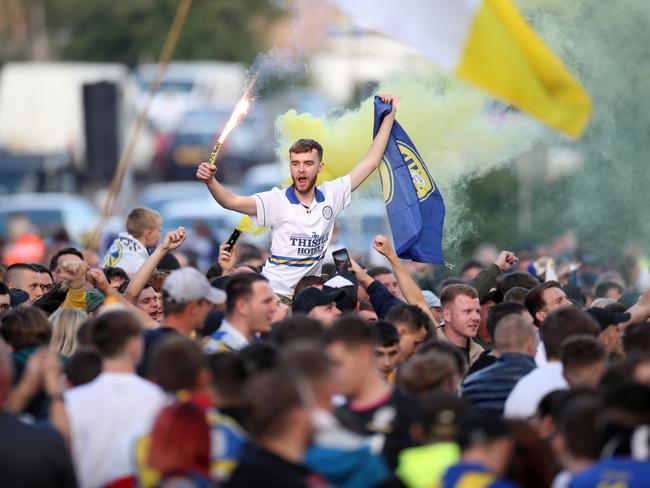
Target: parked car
49, 211
194, 138
157, 195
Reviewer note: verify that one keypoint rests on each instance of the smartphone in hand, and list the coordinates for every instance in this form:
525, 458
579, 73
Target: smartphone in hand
233, 239
341, 260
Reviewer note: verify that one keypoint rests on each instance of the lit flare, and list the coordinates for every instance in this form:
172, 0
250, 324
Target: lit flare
241, 109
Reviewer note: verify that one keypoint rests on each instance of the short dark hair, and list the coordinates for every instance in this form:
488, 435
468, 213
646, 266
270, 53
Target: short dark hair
214, 271
112, 272
516, 294
18, 267
351, 331
385, 333
269, 398
507, 282
83, 367
481, 427
579, 425
54, 262
450, 281
581, 351
636, 340
176, 364
445, 347
410, 315
42, 269
307, 282
111, 331
228, 376
472, 263
603, 288
306, 145
4, 289
25, 327
260, 356
500, 310
534, 300
450, 292
238, 287
296, 327
563, 323
307, 359
379, 270
424, 374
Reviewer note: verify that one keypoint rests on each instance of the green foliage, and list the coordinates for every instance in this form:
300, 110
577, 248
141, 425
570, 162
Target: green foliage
134, 31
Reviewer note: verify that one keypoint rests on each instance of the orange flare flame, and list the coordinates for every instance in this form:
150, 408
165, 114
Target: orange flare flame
241, 109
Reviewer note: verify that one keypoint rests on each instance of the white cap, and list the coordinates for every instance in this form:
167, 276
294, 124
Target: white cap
338, 281
187, 285
431, 299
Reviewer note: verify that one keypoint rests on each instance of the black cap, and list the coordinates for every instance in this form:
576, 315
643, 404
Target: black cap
17, 297
306, 300
605, 318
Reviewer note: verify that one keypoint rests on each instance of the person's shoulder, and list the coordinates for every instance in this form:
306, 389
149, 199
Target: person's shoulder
621, 468
36, 436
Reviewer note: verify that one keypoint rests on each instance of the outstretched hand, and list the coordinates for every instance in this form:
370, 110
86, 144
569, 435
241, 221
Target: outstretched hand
205, 172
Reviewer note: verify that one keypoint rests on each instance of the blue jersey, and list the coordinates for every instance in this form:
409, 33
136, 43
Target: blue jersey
614, 473
466, 475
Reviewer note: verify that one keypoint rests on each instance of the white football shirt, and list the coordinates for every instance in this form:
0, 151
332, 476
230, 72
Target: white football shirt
300, 234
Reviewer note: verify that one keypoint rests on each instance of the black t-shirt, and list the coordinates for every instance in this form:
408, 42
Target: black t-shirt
33, 456
259, 467
484, 360
151, 339
388, 421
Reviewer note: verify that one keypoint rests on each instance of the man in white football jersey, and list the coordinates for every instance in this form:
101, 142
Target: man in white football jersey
301, 217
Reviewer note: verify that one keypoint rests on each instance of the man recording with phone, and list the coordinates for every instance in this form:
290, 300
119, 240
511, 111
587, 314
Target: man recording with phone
302, 216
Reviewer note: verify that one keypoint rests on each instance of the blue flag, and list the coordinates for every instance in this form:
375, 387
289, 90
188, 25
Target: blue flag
416, 211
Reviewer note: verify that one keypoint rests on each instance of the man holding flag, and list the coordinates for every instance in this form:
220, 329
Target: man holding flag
302, 216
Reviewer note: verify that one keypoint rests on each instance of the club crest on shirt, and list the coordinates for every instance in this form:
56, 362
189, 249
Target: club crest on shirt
422, 181
327, 212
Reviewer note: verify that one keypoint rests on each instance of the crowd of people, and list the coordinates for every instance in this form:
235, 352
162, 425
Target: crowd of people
165, 375
278, 370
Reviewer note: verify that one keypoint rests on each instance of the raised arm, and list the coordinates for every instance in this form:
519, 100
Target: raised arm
172, 241
409, 287
373, 157
222, 195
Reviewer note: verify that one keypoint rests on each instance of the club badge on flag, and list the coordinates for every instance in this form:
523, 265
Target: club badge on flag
415, 208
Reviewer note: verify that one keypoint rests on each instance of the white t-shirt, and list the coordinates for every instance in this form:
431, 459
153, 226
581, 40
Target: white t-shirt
127, 253
106, 417
300, 235
529, 390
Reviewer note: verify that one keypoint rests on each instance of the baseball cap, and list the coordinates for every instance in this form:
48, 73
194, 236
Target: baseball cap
309, 298
187, 285
348, 284
605, 318
17, 297
431, 299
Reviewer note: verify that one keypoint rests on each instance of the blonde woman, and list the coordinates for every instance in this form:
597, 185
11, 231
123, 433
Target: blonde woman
65, 324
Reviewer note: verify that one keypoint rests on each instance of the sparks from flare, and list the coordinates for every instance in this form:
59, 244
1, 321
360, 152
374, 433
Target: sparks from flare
241, 109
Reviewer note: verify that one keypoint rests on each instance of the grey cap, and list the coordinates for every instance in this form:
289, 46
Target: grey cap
431, 299
187, 285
